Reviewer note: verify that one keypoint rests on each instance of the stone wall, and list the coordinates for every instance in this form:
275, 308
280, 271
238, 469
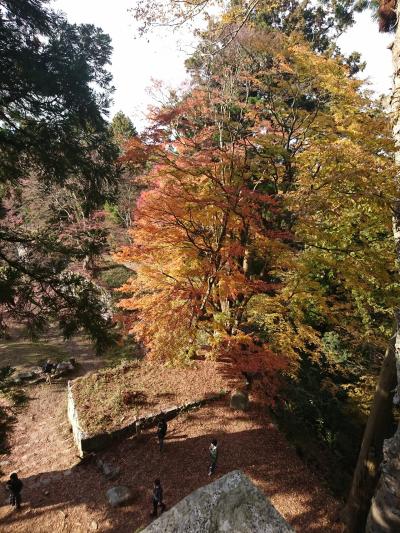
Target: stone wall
87, 443
73, 420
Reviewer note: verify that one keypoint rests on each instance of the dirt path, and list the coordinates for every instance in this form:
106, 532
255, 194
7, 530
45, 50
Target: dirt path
61, 495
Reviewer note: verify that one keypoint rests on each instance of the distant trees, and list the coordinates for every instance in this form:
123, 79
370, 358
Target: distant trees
120, 211
122, 128
57, 159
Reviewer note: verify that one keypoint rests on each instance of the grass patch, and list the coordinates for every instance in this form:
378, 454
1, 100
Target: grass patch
5, 423
25, 354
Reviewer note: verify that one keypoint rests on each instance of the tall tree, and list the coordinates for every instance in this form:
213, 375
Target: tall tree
54, 93
120, 211
235, 164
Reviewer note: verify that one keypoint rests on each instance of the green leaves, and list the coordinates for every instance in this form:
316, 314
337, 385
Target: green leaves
57, 165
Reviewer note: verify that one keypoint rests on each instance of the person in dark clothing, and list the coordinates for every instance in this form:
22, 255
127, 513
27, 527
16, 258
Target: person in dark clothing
157, 498
14, 486
213, 457
48, 368
161, 431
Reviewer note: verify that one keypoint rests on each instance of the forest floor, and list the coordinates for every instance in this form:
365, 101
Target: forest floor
61, 494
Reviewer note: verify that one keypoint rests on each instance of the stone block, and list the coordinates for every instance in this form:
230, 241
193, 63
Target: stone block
229, 504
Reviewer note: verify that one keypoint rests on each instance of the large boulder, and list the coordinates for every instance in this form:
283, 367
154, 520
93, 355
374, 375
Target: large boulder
240, 400
229, 504
118, 495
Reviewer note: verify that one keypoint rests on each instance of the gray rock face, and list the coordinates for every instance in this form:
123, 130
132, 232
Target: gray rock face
231, 504
384, 515
118, 495
240, 400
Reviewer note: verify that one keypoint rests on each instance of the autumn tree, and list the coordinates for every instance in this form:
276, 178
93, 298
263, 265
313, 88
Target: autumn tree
344, 267
217, 237
320, 22
208, 224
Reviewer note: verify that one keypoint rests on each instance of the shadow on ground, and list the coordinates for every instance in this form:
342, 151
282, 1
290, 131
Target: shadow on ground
58, 498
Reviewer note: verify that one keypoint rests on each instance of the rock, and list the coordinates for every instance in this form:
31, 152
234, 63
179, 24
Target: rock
23, 376
384, 514
93, 525
240, 400
229, 504
64, 367
109, 470
118, 495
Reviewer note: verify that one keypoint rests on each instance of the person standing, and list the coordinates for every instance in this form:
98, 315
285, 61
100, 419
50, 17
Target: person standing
213, 449
14, 486
161, 431
157, 498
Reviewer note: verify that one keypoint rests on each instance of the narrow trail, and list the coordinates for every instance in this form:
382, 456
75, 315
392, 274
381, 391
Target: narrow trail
63, 495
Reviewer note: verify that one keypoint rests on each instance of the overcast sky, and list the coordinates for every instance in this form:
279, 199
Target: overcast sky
137, 61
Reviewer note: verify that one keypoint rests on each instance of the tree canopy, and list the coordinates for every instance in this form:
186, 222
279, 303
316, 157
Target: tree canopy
246, 240
55, 90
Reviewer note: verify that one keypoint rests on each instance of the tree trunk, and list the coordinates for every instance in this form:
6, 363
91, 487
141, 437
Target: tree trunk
384, 515
379, 426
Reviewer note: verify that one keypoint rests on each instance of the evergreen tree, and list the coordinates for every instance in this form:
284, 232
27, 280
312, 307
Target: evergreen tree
122, 127
54, 95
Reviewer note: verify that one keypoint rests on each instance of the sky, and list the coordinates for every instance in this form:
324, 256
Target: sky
137, 62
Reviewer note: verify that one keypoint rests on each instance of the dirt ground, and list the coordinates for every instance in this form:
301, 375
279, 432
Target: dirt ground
61, 494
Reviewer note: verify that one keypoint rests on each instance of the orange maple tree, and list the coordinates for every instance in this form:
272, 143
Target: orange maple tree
214, 232
207, 235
